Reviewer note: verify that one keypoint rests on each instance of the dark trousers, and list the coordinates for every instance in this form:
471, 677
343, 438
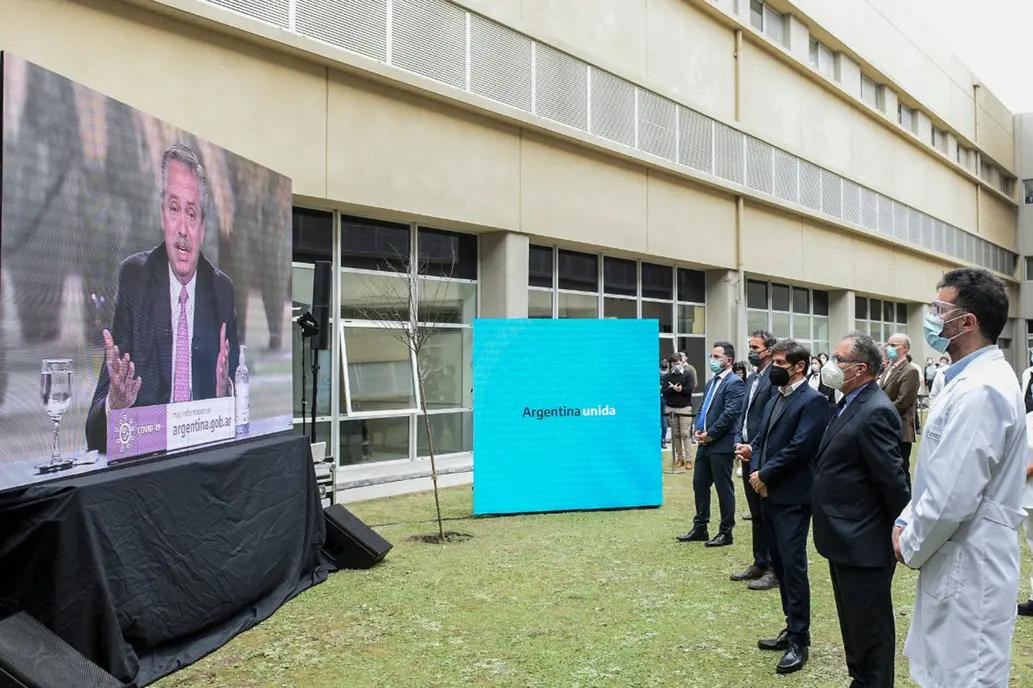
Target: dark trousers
865, 608
787, 526
761, 558
714, 469
905, 454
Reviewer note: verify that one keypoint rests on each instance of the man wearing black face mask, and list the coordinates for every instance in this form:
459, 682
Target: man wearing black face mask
780, 472
758, 391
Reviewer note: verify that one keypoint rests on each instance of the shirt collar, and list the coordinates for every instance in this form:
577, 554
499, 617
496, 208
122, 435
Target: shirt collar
791, 388
724, 373
853, 395
954, 370
175, 287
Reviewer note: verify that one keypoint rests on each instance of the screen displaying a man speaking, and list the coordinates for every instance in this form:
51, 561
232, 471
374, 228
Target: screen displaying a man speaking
140, 267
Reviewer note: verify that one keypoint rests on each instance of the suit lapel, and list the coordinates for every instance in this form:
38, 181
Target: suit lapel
205, 332
839, 421
161, 315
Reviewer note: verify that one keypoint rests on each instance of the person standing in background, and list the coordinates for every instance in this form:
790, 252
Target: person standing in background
937, 386
758, 391
901, 381
817, 384
859, 488
665, 368
678, 388
959, 529
929, 373
715, 433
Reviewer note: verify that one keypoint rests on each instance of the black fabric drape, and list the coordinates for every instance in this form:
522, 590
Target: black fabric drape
147, 568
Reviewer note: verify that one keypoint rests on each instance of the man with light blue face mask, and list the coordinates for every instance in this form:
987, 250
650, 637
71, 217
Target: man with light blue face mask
715, 431
959, 529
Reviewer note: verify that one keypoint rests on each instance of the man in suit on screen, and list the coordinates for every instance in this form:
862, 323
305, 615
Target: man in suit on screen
174, 333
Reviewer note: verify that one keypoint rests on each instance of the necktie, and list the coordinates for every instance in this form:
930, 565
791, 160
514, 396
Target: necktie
840, 406
181, 376
702, 418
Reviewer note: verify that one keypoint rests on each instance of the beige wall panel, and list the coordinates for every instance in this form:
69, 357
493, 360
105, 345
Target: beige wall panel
787, 109
222, 89
996, 139
769, 99
916, 277
398, 151
690, 56
828, 256
874, 268
573, 194
997, 221
610, 33
772, 243
689, 223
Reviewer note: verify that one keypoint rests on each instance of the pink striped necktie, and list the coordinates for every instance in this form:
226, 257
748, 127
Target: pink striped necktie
181, 376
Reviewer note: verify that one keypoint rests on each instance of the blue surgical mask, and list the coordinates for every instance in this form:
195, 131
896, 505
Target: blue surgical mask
715, 365
891, 353
932, 326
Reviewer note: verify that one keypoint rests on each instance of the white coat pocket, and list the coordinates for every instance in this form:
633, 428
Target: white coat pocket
943, 575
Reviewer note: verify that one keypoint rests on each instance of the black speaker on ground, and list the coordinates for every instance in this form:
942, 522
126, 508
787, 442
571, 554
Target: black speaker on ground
31, 656
350, 543
321, 280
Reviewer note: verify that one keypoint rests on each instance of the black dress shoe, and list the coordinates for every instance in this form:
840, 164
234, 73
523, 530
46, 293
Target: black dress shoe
720, 540
766, 582
753, 572
1026, 608
778, 643
793, 659
694, 535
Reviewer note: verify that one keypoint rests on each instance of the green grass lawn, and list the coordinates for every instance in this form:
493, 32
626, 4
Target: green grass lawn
555, 600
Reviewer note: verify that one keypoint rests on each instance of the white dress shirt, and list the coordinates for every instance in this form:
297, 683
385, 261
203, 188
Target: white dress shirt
175, 287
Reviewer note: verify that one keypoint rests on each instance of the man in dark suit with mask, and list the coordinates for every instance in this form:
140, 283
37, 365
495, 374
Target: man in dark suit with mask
174, 333
715, 431
859, 488
780, 462
758, 391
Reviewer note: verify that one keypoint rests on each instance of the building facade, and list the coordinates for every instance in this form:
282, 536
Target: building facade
719, 165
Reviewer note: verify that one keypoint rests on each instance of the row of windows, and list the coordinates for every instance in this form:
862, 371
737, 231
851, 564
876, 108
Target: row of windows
371, 406
822, 59
789, 311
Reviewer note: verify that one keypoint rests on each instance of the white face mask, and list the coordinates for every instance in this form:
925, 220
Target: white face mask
833, 376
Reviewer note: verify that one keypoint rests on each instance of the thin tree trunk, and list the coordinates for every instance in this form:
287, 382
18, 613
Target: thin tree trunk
430, 448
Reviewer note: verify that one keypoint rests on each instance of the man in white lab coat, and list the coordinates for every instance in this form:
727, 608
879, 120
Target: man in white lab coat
1026, 385
959, 529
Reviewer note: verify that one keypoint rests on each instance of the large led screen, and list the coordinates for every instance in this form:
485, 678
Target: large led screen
144, 284
566, 415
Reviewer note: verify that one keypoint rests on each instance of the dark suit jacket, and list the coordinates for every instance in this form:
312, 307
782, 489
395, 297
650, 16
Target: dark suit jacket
783, 454
722, 414
824, 390
859, 482
142, 327
760, 400
901, 386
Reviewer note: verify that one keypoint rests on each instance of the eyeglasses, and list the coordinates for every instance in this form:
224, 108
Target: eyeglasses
942, 308
837, 359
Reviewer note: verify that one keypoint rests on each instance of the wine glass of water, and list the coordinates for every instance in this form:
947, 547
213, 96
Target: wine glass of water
56, 388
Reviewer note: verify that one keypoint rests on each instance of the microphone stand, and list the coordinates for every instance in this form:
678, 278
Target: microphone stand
304, 404
315, 388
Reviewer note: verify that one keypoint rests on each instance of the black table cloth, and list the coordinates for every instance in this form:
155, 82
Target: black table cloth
146, 568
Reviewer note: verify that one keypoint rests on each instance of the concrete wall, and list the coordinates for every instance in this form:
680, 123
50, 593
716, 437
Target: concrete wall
369, 147
783, 106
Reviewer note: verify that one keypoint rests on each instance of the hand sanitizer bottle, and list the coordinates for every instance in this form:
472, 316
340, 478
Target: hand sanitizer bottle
242, 387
